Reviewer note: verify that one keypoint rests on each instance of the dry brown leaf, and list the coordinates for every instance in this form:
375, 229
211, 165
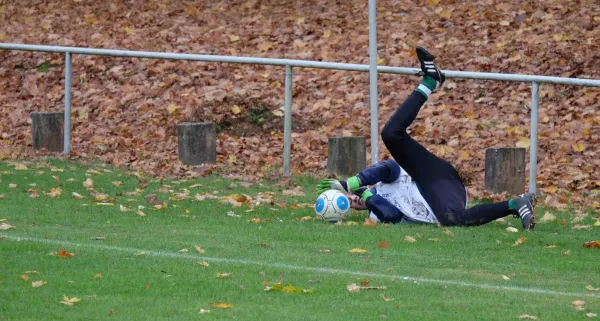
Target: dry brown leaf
434, 239
448, 232
548, 217
221, 305
385, 298
54, 192
527, 316
75, 195
353, 288
88, 184
551, 246
520, 240
592, 244
256, 220
357, 250
65, 254
69, 301
567, 252
591, 315
369, 222
98, 276
203, 311
589, 287
578, 303
296, 191
511, 230
383, 244
5, 226
24, 277
410, 239
205, 264
506, 278
37, 284
582, 227
198, 249
223, 275
325, 251
12, 185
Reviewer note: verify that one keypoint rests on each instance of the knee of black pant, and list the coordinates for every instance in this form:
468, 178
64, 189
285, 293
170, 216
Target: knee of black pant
391, 135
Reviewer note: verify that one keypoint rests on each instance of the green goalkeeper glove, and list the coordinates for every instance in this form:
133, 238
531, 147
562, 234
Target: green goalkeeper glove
347, 186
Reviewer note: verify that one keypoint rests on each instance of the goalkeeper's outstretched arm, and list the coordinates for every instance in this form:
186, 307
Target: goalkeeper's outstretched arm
386, 171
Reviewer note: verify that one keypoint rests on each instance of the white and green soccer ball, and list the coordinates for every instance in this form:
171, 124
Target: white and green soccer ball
332, 205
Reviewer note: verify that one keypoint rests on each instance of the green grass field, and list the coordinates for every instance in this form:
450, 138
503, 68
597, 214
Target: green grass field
131, 267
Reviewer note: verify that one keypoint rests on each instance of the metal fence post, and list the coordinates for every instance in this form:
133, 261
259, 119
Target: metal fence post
67, 130
535, 89
373, 81
287, 122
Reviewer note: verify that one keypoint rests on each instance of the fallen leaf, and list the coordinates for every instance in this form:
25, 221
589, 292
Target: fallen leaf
20, 167
98, 276
223, 275
123, 208
434, 239
353, 288
527, 316
523, 142
597, 223
31, 272
65, 254
589, 287
592, 244
506, 278
256, 220
520, 241
512, 230
369, 222
54, 192
88, 184
140, 213
386, 299
37, 284
202, 311
24, 277
69, 302
357, 250
410, 239
221, 305
12, 185
147, 286
296, 191
236, 109
567, 252
591, 315
205, 264
578, 303
548, 217
383, 244
198, 249
551, 246
264, 245
5, 226
233, 38
448, 232
75, 195
581, 227
325, 251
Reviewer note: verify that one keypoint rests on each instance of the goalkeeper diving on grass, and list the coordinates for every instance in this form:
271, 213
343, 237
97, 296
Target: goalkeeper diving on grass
417, 186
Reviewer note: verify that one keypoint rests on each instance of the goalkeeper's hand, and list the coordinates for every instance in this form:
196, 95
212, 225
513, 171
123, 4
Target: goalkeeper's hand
327, 184
343, 186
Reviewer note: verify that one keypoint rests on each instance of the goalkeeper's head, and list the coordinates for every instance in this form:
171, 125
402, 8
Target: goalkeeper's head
356, 203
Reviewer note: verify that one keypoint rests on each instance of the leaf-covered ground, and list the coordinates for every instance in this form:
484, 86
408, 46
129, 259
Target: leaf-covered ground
125, 110
83, 242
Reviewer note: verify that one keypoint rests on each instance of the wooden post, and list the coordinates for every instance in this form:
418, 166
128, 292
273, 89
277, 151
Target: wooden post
346, 155
505, 170
47, 131
197, 143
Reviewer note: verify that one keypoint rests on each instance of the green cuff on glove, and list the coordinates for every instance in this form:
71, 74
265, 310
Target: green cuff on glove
353, 183
366, 194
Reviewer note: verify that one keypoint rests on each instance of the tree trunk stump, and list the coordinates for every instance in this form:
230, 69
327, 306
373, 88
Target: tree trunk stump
47, 131
346, 155
197, 143
505, 170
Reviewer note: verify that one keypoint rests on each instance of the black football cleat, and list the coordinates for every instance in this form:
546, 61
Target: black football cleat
428, 66
525, 210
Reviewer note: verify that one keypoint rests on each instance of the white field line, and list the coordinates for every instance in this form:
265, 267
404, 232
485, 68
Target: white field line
297, 267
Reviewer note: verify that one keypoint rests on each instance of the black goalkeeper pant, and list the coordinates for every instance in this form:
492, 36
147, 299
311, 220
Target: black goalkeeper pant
440, 184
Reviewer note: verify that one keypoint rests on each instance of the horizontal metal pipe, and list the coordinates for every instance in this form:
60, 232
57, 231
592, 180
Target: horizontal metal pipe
300, 63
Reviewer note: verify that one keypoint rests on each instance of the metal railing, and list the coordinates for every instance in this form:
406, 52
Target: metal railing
289, 63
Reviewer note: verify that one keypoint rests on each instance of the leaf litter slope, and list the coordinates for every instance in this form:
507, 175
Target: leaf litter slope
125, 110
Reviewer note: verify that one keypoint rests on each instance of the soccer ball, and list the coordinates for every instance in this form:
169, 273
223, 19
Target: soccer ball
332, 205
